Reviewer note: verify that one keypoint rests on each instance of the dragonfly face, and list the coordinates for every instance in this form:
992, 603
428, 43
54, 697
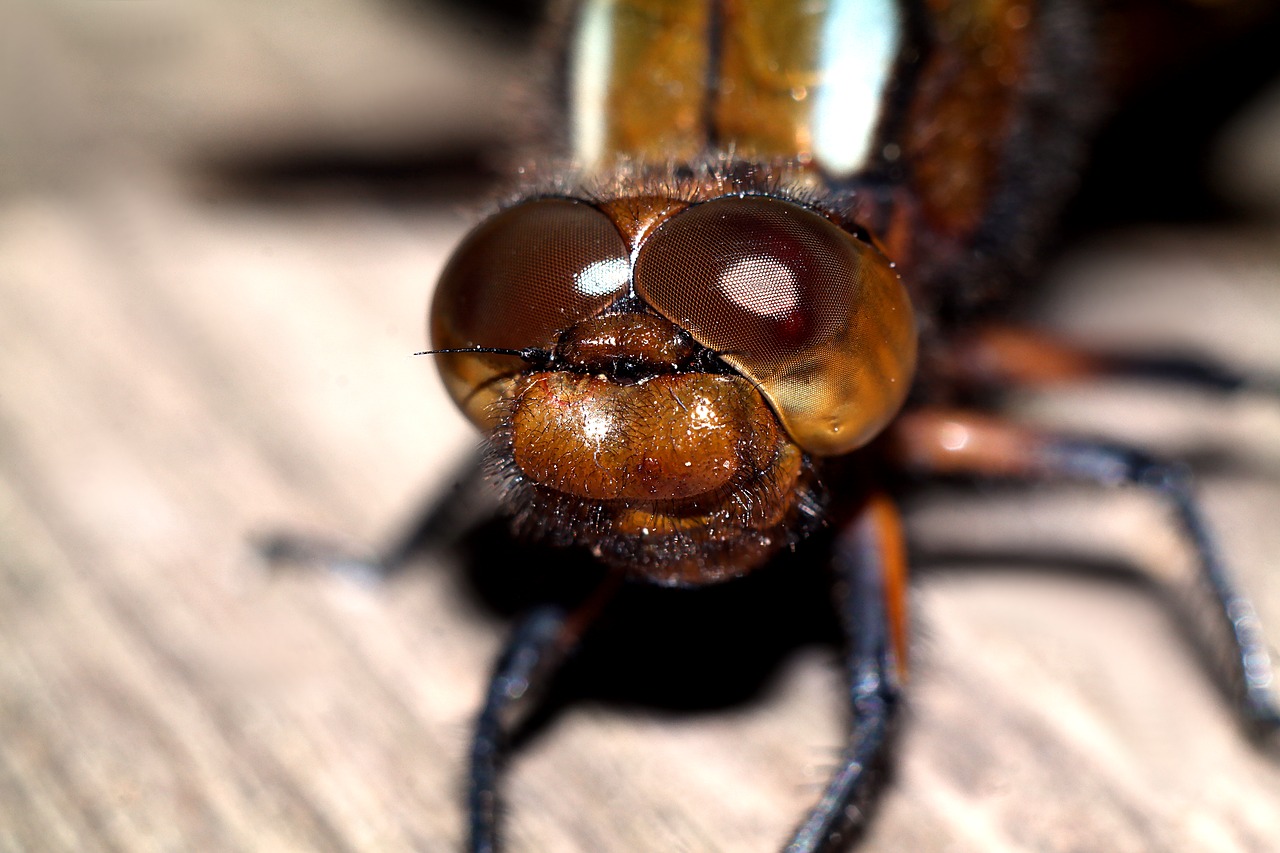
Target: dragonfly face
682, 358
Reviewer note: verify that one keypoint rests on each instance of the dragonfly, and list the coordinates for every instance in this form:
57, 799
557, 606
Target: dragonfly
746, 290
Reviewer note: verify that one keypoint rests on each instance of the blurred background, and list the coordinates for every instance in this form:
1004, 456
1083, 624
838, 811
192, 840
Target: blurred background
219, 226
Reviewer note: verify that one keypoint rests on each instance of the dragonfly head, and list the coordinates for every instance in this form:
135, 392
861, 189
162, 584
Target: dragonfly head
656, 387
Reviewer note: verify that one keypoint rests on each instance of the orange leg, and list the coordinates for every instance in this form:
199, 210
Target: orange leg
877, 535
996, 357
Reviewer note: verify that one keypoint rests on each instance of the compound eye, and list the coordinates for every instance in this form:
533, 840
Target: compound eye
528, 273
817, 318
516, 282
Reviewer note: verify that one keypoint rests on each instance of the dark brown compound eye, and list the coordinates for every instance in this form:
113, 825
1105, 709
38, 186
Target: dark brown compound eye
516, 282
817, 318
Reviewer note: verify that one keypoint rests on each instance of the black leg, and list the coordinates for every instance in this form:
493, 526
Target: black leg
530, 658
1250, 672
959, 442
445, 518
868, 565
536, 651
472, 499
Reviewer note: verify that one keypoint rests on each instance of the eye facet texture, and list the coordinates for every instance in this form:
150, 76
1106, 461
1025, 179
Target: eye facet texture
813, 315
526, 274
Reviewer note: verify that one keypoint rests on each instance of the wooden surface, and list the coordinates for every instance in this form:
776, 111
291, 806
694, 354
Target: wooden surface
181, 367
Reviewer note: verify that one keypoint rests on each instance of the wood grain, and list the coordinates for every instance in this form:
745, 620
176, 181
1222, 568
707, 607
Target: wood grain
180, 368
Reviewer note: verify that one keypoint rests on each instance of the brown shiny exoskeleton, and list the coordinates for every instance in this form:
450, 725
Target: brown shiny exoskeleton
730, 299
